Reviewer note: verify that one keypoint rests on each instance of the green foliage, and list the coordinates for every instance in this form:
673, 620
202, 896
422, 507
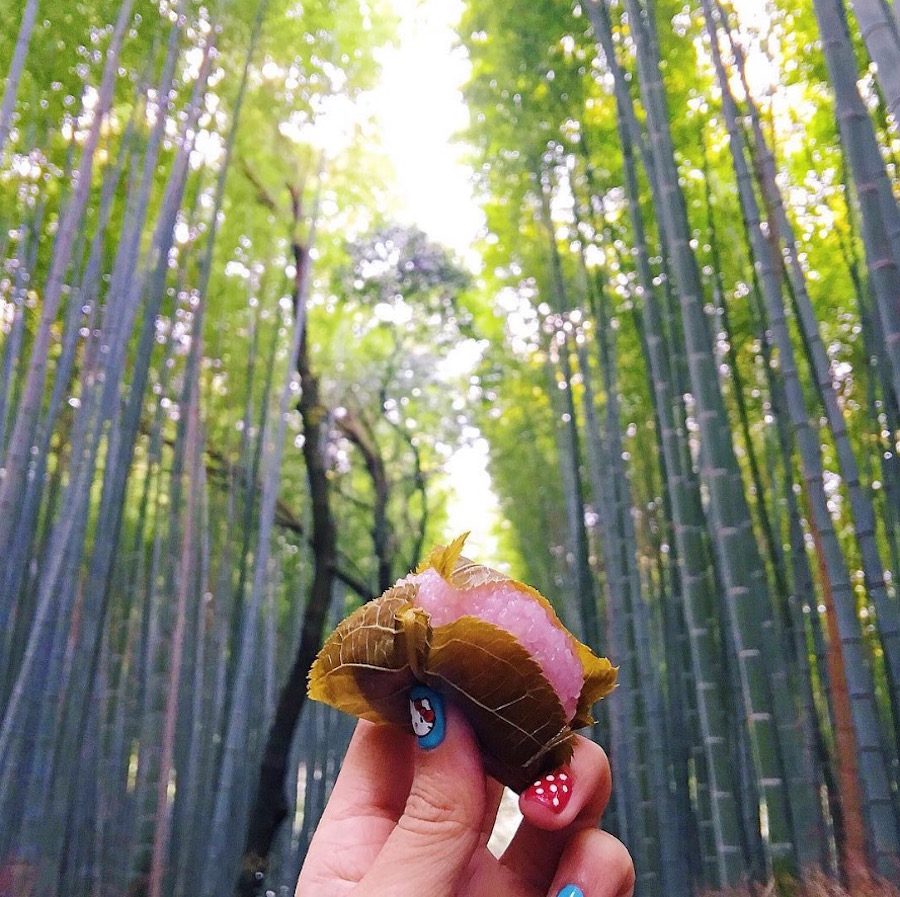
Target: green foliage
414, 357
517, 421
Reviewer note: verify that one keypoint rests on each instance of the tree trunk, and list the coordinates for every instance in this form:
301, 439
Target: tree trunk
382, 537
270, 802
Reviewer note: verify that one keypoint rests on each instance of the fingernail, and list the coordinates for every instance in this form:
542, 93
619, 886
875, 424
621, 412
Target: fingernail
571, 891
553, 791
426, 709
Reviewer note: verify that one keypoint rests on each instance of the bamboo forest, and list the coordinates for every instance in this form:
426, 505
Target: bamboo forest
252, 368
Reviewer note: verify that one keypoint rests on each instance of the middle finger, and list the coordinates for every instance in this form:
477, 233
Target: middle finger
568, 800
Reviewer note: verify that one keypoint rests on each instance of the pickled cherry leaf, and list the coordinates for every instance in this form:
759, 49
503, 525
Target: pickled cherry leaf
369, 662
599, 681
469, 575
514, 711
444, 557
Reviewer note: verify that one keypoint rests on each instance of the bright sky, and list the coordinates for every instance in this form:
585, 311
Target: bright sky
420, 109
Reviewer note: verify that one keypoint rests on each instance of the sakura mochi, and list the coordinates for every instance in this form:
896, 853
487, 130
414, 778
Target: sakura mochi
492, 645
519, 614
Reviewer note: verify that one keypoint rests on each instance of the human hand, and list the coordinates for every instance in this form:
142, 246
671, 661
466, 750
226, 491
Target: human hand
408, 818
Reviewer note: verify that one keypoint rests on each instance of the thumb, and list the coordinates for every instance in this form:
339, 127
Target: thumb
440, 828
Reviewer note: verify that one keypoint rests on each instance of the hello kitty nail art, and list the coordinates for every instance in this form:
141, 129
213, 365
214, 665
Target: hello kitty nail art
426, 711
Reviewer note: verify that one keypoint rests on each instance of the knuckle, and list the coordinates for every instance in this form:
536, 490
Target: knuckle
430, 812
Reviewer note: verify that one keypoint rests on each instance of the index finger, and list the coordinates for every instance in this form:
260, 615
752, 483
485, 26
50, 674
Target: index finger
367, 800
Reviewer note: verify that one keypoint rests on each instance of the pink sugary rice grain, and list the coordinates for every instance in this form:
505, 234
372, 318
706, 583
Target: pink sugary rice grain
520, 615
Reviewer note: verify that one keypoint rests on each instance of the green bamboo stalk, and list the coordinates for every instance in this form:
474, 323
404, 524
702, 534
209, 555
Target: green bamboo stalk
880, 35
570, 459
14, 76
668, 871
758, 651
314, 798
880, 214
215, 711
12, 612
629, 735
862, 687
29, 407
14, 564
683, 736
120, 448
803, 606
804, 617
135, 863
888, 616
130, 703
191, 413
806, 810
687, 519
612, 488
26, 251
120, 738
71, 528
878, 388
187, 797
773, 545
150, 670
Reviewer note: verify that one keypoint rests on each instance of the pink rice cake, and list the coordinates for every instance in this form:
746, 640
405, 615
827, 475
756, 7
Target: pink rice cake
519, 614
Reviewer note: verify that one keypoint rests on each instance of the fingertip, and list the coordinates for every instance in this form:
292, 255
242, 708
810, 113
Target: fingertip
594, 864
578, 790
546, 801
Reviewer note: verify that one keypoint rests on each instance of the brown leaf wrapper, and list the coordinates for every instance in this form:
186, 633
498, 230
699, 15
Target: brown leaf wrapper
369, 663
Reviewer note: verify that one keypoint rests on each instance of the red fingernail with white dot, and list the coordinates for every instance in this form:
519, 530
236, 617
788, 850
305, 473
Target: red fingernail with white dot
552, 791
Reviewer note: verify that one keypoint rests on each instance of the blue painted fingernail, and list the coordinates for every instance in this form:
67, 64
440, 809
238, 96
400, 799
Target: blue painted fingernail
426, 708
571, 891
